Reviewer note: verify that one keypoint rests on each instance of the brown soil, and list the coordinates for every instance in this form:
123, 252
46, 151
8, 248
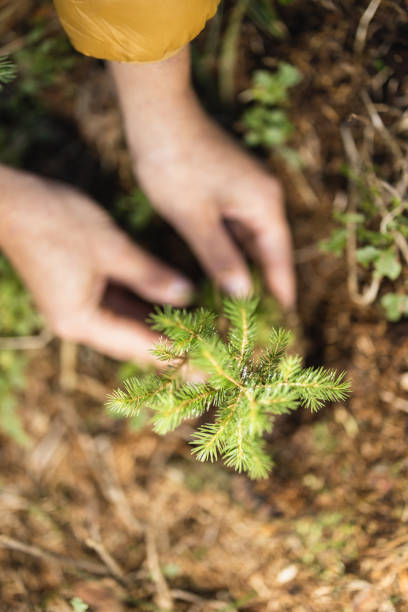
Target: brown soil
128, 520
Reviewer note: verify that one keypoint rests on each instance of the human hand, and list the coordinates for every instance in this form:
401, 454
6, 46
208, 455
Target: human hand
198, 179
205, 181
66, 249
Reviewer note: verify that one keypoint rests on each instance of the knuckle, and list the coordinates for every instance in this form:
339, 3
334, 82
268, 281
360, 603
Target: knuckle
273, 194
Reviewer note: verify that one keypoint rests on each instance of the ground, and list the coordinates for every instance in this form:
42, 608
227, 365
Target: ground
127, 520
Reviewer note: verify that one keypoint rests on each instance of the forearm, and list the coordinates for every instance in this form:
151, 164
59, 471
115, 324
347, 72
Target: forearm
157, 101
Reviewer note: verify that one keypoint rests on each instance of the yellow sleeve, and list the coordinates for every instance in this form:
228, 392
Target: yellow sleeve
133, 30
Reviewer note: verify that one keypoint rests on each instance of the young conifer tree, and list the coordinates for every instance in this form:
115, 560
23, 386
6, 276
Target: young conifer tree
246, 390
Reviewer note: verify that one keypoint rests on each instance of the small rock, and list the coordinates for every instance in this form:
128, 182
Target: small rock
287, 574
366, 601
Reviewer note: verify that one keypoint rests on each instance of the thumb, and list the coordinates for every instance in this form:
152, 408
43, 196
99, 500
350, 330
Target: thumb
119, 337
143, 273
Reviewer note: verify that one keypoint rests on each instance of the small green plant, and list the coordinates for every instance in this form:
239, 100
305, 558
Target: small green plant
18, 317
43, 60
8, 71
395, 306
375, 238
267, 122
265, 16
134, 210
78, 605
247, 390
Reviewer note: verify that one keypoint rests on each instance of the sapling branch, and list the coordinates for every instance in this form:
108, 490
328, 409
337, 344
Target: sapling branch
246, 391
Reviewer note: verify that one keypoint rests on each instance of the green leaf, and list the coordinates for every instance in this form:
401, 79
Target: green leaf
10, 422
18, 314
267, 127
271, 88
395, 306
263, 13
336, 243
388, 265
366, 255
345, 218
376, 239
78, 605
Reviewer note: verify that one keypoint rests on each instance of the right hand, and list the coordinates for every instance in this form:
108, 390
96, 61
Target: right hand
66, 249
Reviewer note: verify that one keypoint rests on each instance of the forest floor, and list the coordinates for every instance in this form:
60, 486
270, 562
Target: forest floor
123, 519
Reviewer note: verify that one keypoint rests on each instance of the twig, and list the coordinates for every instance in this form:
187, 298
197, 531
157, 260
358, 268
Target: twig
307, 253
186, 596
370, 293
106, 558
68, 365
378, 125
164, 598
92, 387
362, 29
228, 57
99, 456
402, 244
372, 111
19, 43
391, 215
40, 553
26, 343
352, 279
42, 457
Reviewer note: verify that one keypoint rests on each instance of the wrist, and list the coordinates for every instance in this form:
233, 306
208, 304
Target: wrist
158, 103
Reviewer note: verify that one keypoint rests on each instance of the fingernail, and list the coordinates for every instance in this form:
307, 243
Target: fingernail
237, 285
181, 289
285, 291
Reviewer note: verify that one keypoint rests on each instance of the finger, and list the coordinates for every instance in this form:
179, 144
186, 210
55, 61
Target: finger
147, 276
274, 252
217, 252
271, 243
118, 337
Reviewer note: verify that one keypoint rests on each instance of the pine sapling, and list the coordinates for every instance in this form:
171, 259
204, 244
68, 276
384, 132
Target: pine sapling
246, 390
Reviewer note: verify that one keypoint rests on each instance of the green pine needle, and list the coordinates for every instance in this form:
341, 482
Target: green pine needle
247, 391
8, 70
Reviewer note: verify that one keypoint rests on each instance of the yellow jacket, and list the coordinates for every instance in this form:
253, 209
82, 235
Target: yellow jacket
133, 30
